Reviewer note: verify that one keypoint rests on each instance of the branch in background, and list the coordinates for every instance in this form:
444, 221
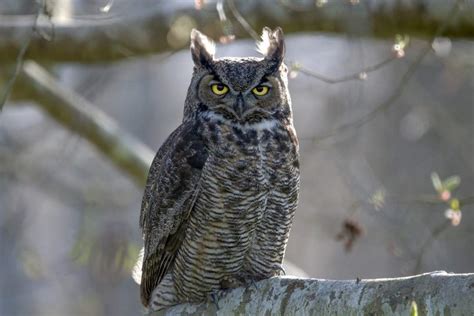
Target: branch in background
453, 12
143, 31
77, 114
360, 75
242, 21
17, 69
19, 60
434, 293
226, 24
296, 67
438, 231
399, 52
382, 106
467, 200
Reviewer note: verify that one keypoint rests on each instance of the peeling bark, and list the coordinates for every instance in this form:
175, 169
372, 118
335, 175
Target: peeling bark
147, 31
436, 293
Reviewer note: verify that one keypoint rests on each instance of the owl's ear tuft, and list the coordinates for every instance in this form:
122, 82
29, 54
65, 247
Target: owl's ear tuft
272, 46
202, 49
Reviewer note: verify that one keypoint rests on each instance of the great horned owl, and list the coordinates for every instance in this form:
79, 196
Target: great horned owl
223, 188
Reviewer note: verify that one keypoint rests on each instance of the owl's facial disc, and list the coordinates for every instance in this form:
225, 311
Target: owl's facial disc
244, 105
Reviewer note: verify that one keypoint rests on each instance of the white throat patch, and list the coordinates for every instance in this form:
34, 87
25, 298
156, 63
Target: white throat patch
258, 126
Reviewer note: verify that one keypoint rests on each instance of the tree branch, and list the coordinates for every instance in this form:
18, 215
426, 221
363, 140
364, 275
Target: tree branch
453, 12
146, 31
77, 114
435, 292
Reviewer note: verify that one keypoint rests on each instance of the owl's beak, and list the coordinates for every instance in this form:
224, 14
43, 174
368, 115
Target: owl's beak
239, 107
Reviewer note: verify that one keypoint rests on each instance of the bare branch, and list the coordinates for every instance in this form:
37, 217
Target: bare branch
80, 116
235, 12
382, 106
436, 292
401, 86
19, 61
226, 24
438, 231
467, 200
360, 75
145, 31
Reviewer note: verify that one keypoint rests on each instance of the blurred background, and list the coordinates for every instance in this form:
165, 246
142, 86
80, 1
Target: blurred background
383, 101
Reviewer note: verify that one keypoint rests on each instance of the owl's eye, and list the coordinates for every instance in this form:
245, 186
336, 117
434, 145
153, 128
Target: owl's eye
219, 89
260, 90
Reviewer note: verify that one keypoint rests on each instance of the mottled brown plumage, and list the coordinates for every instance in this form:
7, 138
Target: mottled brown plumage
222, 190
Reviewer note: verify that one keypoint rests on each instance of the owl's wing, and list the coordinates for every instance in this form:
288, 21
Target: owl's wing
172, 188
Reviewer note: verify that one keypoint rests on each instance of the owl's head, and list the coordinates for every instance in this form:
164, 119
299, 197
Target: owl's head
243, 90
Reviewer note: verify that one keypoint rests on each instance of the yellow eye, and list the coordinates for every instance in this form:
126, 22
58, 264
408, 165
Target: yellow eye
260, 90
219, 89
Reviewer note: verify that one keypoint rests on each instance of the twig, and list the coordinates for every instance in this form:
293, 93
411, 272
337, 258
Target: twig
433, 199
18, 65
227, 27
242, 21
19, 60
466, 201
421, 199
381, 107
355, 76
403, 83
435, 234
220, 10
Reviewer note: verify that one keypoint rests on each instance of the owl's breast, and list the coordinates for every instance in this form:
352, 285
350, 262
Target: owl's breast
251, 156
244, 165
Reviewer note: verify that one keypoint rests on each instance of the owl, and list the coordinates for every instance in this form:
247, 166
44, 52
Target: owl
223, 188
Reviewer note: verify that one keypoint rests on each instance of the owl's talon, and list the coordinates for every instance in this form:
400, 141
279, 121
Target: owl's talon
253, 283
281, 270
231, 282
243, 280
251, 280
214, 296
